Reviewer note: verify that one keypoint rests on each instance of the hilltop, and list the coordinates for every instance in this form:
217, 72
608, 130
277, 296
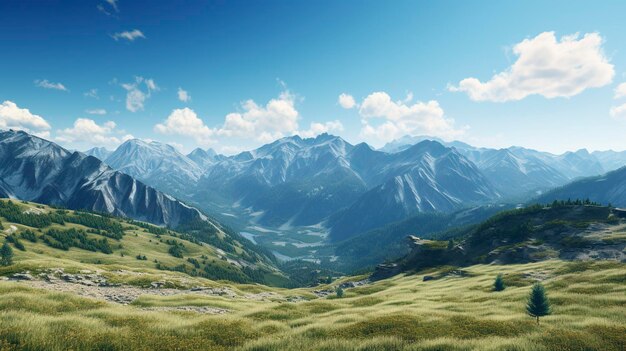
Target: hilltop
578, 230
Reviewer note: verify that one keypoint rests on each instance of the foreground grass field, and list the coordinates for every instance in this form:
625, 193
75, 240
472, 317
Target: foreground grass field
453, 312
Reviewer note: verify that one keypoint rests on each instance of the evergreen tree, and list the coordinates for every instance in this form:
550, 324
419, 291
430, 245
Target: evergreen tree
339, 292
498, 284
6, 255
450, 245
538, 303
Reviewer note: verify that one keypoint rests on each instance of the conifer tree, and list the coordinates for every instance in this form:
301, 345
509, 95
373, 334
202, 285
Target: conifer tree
6, 255
498, 284
538, 303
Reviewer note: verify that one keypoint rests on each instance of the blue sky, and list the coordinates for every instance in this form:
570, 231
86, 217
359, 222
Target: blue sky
97, 72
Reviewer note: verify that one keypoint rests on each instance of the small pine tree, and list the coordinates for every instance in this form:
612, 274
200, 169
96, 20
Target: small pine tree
498, 284
339, 292
6, 255
538, 303
450, 245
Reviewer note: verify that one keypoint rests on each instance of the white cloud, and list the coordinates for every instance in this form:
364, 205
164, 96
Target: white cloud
92, 93
135, 96
87, 132
276, 119
548, 67
131, 35
620, 91
185, 122
112, 4
49, 85
618, 112
98, 111
346, 101
183, 95
317, 128
13, 117
400, 118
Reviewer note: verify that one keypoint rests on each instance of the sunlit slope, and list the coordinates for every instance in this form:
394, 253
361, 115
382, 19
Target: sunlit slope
57, 238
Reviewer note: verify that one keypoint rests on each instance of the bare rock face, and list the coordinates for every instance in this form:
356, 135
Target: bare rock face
38, 170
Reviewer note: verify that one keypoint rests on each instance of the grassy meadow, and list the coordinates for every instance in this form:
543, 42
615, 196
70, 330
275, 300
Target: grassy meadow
451, 312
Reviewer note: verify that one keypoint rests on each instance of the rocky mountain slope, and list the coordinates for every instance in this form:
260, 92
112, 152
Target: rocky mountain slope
519, 172
100, 153
37, 170
157, 164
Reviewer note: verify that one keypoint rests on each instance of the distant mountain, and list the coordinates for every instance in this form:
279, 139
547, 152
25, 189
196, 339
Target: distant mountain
610, 160
292, 181
407, 141
38, 170
578, 164
425, 178
605, 189
100, 153
157, 164
204, 158
518, 172
295, 181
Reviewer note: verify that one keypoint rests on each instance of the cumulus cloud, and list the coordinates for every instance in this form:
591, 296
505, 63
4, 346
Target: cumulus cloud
252, 125
346, 101
14, 117
548, 67
136, 95
620, 91
98, 111
130, 35
276, 119
618, 112
183, 95
92, 93
185, 122
384, 120
87, 132
49, 85
317, 128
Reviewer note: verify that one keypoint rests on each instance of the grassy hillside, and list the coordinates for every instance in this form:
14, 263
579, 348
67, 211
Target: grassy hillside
453, 312
573, 230
43, 237
454, 309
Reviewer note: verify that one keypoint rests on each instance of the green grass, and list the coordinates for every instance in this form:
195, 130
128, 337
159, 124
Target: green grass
402, 313
451, 312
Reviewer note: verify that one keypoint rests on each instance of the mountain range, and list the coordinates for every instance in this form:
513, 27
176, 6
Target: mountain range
352, 188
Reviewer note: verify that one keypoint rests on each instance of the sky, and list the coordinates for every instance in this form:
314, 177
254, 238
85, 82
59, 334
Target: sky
233, 75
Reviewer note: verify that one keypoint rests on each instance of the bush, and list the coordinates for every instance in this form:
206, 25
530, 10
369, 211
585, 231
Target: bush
498, 284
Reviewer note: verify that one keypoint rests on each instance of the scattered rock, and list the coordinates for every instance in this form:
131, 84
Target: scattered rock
22, 276
323, 293
348, 285
157, 285
197, 309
